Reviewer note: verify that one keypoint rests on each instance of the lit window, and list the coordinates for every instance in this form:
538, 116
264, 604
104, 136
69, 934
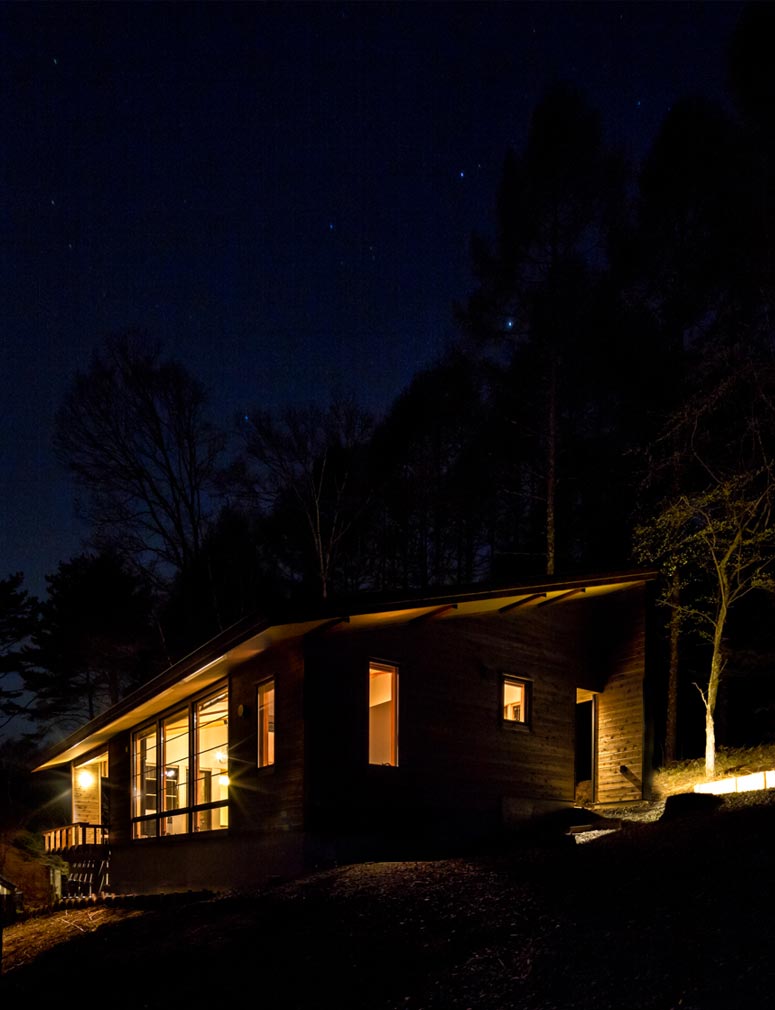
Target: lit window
211, 719
265, 724
515, 700
166, 798
144, 789
174, 786
383, 714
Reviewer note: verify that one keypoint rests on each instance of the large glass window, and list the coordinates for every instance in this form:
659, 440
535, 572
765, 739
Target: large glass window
174, 785
145, 788
265, 709
383, 714
211, 720
166, 798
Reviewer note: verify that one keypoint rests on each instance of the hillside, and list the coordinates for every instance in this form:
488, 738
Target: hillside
658, 916
681, 776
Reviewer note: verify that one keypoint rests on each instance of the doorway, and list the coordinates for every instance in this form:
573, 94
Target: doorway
585, 774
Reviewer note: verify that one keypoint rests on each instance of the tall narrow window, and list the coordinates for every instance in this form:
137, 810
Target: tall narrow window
211, 719
516, 697
174, 794
383, 714
266, 724
144, 789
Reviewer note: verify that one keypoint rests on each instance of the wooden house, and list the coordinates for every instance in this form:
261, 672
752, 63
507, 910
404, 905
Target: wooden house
305, 738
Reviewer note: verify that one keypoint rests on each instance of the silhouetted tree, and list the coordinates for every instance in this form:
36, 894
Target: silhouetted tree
237, 567
133, 433
96, 641
751, 78
680, 272
536, 286
712, 529
304, 468
431, 464
725, 534
18, 621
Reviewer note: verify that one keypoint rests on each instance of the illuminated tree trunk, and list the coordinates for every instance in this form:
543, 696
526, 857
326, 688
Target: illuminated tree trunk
709, 698
710, 744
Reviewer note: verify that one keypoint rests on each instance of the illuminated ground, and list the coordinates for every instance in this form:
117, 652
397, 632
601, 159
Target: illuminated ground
667, 915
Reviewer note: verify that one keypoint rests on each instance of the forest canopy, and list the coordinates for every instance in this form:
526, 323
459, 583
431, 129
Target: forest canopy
609, 401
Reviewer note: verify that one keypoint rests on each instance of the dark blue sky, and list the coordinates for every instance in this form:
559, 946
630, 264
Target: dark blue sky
282, 193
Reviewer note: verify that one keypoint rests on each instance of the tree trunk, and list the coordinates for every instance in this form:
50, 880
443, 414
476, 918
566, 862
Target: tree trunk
716, 668
710, 744
551, 470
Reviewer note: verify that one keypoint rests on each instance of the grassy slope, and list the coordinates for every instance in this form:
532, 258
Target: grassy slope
681, 776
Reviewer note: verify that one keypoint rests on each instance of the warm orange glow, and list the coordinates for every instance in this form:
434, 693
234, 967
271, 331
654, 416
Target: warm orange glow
738, 784
383, 714
211, 747
86, 779
175, 760
163, 788
266, 724
514, 700
86, 794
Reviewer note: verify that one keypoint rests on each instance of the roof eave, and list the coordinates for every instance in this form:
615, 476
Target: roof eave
211, 661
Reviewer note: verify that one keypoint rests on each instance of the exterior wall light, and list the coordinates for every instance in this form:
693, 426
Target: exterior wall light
85, 779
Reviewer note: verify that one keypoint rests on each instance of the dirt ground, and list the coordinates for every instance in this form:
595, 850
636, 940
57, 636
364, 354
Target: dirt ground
24, 941
662, 915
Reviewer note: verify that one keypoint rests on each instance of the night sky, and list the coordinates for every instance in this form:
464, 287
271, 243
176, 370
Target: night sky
283, 194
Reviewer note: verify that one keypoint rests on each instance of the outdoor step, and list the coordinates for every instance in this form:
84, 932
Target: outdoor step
604, 824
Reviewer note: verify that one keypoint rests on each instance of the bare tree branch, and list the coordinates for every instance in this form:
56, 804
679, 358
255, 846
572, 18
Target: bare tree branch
132, 431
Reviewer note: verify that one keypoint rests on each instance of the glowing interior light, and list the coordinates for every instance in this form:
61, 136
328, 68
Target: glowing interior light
223, 780
85, 778
220, 757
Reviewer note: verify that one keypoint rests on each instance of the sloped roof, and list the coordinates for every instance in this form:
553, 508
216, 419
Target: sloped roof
251, 636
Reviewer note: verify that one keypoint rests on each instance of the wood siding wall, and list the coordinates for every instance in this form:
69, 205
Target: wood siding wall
621, 631
268, 799
458, 759
120, 779
460, 765
266, 806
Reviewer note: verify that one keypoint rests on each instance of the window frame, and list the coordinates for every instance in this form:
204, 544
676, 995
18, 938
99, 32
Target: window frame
383, 666
201, 810
154, 729
518, 725
171, 816
260, 730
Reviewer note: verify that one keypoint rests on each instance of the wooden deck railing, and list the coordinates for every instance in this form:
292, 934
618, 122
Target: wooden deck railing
72, 835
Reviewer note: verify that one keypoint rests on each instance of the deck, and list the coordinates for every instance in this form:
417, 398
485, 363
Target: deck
85, 847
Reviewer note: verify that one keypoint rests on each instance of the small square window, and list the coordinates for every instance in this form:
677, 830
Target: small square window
516, 700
